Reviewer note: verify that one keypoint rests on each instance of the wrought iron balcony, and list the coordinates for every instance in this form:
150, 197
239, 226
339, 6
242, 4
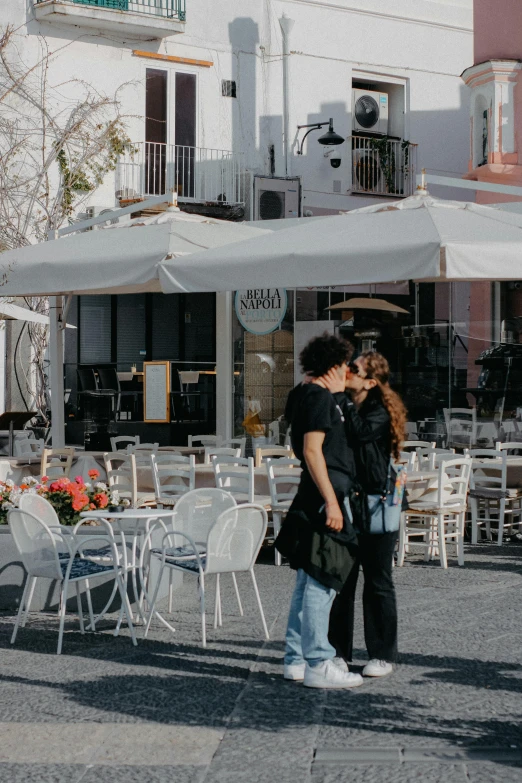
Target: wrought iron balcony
196, 174
383, 166
141, 18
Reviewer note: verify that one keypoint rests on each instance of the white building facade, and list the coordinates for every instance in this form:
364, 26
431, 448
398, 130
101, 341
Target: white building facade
214, 94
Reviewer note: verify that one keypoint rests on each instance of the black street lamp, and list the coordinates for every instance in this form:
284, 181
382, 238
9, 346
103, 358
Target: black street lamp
329, 139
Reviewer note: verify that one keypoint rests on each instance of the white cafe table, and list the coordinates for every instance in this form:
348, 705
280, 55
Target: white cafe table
133, 526
421, 484
16, 468
514, 471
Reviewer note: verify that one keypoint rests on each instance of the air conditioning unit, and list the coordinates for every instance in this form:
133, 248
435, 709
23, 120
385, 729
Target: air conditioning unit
370, 111
276, 198
366, 170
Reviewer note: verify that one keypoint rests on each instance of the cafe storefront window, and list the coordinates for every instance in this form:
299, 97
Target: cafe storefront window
455, 352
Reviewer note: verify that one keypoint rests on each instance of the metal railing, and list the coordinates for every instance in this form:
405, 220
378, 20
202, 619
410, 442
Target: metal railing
196, 174
383, 167
169, 9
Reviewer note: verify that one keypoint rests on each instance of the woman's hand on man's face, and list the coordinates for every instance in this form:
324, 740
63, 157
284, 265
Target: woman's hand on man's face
335, 379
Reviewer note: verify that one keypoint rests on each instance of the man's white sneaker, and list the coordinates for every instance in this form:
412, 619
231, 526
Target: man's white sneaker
340, 663
376, 668
328, 675
294, 671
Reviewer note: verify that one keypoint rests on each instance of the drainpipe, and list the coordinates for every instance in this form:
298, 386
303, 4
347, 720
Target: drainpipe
286, 27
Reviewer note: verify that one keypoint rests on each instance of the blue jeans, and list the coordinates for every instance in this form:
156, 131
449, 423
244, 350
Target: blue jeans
307, 630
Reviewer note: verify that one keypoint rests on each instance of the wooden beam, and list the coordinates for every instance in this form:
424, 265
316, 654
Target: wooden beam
172, 59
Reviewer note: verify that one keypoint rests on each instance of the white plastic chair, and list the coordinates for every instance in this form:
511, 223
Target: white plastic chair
205, 440
283, 487
122, 442
235, 443
173, 477
232, 546
272, 452
490, 494
56, 463
440, 520
219, 451
43, 557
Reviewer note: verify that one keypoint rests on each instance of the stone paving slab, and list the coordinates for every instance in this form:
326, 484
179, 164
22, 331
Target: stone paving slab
225, 715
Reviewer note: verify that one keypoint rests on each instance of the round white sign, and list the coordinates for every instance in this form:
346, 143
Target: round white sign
261, 310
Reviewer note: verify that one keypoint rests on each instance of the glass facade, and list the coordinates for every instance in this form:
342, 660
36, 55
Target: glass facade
455, 351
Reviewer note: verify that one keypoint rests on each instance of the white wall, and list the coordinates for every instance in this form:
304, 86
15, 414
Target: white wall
421, 44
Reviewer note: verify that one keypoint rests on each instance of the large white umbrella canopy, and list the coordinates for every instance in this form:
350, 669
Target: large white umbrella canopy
420, 238
122, 260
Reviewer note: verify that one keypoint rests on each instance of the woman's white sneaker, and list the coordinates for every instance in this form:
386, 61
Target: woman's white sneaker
340, 663
376, 668
328, 675
294, 671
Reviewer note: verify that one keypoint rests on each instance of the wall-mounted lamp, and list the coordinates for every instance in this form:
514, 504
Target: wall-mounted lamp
329, 139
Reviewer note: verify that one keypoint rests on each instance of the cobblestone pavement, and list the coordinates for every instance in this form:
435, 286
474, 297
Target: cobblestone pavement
170, 711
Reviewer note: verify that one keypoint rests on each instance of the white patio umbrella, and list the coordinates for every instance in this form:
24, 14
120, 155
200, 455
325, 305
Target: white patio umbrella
420, 238
122, 260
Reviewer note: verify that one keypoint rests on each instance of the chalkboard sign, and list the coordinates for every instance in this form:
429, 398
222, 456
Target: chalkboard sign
156, 389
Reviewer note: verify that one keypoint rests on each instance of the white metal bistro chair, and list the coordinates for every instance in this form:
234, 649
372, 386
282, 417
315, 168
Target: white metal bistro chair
442, 519
173, 476
219, 451
122, 442
272, 452
232, 546
490, 499
283, 487
204, 440
47, 555
56, 463
195, 513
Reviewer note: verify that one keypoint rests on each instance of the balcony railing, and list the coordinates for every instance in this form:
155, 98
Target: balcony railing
196, 174
169, 9
383, 167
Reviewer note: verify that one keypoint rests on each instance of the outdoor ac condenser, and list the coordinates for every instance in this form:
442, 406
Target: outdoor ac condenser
277, 197
370, 111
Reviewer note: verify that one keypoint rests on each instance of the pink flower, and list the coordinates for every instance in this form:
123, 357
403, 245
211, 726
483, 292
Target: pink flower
93, 474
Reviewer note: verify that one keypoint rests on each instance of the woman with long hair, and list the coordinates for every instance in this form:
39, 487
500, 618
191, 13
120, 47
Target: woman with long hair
375, 425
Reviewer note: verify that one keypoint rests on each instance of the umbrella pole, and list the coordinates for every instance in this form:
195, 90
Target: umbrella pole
56, 371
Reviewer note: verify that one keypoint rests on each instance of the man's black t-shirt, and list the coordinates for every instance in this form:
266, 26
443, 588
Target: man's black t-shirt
310, 408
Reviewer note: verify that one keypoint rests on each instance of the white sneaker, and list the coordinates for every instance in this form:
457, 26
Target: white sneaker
328, 675
340, 663
294, 671
376, 668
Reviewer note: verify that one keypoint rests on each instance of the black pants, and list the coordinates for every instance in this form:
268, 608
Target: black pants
379, 604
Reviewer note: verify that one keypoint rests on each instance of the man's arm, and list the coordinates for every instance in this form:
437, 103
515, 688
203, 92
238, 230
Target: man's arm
315, 461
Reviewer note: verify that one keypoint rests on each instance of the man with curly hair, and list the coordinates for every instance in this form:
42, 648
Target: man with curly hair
317, 534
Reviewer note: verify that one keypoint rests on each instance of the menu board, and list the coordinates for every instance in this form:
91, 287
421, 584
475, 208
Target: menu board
156, 390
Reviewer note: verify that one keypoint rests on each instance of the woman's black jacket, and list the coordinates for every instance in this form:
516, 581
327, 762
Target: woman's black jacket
368, 433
